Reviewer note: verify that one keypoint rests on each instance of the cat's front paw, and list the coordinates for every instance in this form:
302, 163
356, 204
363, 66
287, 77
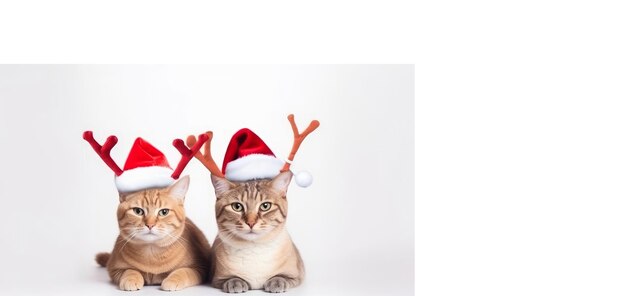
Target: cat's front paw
181, 278
173, 284
276, 284
131, 282
235, 285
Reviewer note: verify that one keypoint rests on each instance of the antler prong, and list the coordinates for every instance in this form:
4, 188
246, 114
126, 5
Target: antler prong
298, 138
186, 153
104, 151
205, 158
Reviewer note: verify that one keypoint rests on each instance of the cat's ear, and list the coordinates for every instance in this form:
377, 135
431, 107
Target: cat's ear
221, 185
179, 188
123, 196
281, 182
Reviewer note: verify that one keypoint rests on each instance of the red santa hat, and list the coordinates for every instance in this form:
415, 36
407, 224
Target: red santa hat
248, 158
146, 166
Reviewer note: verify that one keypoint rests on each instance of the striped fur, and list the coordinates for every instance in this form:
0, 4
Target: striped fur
253, 249
173, 253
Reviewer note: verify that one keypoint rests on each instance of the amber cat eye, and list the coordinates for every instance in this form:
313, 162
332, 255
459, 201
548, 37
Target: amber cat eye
265, 206
138, 211
238, 207
164, 212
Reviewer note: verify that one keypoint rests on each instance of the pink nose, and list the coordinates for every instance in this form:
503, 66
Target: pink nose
251, 224
149, 226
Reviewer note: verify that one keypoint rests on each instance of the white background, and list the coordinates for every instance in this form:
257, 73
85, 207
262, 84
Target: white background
353, 226
521, 148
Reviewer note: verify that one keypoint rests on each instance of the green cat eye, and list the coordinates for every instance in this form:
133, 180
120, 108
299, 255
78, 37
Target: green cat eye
164, 212
237, 206
266, 206
138, 211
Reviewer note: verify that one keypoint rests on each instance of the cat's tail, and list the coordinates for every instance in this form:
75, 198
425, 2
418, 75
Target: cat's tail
103, 258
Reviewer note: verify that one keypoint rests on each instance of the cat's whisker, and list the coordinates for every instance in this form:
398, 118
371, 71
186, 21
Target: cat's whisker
176, 240
129, 239
227, 234
133, 229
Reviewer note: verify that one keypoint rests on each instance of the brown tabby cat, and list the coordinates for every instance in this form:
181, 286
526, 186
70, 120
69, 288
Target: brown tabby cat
157, 245
253, 249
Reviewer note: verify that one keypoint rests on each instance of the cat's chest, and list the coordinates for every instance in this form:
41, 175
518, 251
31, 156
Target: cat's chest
255, 264
154, 260
256, 257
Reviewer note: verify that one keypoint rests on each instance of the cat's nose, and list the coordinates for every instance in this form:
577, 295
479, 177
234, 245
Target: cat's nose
149, 226
251, 224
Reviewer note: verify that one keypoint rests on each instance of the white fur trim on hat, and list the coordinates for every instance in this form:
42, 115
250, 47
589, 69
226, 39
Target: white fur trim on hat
253, 166
144, 178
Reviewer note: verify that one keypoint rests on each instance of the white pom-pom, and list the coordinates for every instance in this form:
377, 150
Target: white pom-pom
304, 179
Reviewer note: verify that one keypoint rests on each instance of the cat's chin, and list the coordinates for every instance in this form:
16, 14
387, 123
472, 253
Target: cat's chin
250, 236
149, 237
153, 237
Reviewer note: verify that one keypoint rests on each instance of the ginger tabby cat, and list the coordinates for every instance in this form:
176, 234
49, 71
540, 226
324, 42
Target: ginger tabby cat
157, 244
253, 249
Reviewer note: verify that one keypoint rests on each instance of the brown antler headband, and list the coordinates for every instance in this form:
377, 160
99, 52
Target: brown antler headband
298, 138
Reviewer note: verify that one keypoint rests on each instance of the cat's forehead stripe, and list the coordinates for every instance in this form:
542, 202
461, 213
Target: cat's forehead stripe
145, 197
280, 208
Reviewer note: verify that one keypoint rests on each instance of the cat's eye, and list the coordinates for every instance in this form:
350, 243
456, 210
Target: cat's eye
266, 206
164, 212
237, 206
138, 211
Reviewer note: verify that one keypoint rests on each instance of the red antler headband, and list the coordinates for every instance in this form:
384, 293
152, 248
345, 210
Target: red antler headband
146, 166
